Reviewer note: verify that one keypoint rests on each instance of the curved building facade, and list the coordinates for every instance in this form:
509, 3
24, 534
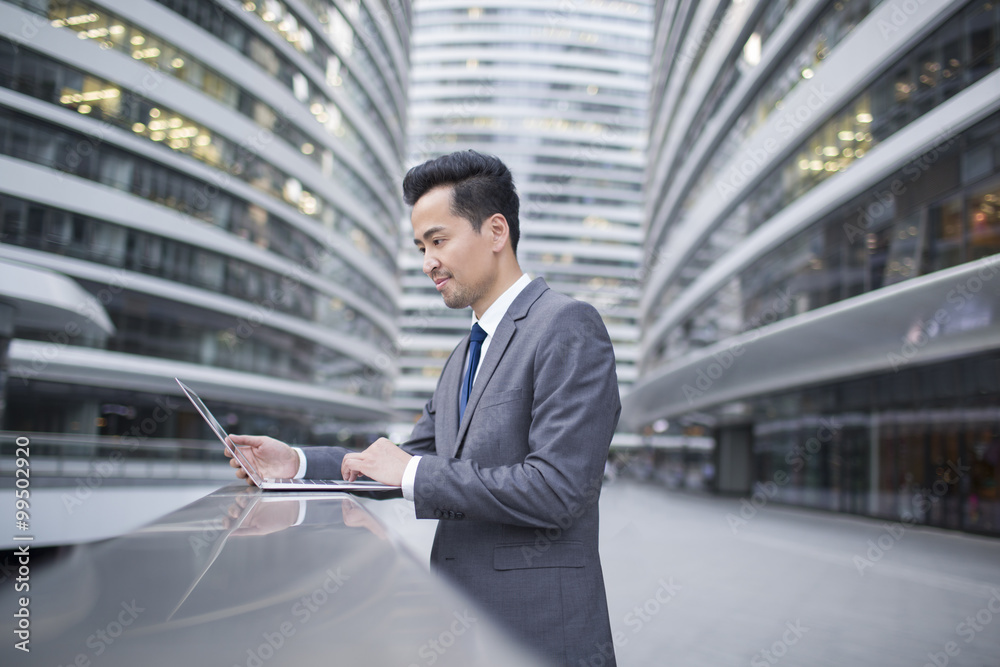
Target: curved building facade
222, 180
823, 214
558, 91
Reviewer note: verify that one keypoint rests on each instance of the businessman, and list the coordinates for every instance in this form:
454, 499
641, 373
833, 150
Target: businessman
510, 450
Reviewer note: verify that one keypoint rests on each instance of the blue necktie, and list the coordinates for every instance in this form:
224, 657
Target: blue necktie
476, 339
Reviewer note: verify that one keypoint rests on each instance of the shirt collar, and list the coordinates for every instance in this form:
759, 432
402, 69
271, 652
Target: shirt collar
491, 318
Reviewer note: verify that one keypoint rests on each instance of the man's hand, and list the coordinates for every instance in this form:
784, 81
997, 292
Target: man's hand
267, 518
383, 461
356, 516
271, 457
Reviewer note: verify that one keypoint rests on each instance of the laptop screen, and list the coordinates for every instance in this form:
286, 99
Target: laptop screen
214, 424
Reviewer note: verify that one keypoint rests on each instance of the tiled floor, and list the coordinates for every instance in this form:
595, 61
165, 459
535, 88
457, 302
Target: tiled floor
688, 586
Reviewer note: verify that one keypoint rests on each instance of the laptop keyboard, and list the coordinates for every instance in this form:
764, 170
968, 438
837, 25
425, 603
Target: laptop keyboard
303, 482
327, 482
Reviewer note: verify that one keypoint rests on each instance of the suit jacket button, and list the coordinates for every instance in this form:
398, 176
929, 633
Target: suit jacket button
437, 514
451, 514
459, 515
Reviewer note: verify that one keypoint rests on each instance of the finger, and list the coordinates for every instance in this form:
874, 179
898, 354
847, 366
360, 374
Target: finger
357, 467
347, 470
246, 440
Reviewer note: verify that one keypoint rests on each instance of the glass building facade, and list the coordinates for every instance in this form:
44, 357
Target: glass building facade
823, 192
559, 92
222, 180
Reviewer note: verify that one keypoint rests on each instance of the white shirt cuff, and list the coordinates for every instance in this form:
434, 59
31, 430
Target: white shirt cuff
410, 478
302, 463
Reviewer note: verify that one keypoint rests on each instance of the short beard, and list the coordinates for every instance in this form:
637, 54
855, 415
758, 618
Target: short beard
464, 296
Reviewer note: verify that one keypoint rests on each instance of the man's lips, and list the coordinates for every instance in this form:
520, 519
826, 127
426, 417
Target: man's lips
440, 281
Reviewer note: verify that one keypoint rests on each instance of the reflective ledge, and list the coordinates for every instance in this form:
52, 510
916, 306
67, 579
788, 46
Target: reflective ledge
246, 578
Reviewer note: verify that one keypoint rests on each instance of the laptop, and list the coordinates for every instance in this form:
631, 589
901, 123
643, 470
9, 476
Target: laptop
269, 483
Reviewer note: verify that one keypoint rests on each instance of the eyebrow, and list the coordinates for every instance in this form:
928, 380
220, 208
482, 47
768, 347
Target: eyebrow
430, 232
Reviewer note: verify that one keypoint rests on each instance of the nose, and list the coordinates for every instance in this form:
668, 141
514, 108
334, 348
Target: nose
430, 262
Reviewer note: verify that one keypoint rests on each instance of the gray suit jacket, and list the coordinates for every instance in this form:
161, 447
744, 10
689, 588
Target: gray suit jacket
517, 481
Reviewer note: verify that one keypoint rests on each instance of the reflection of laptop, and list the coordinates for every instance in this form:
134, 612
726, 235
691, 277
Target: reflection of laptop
270, 483
216, 550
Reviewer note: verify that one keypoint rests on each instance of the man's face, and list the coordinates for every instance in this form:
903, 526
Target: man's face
459, 260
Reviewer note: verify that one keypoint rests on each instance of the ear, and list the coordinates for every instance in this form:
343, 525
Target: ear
499, 232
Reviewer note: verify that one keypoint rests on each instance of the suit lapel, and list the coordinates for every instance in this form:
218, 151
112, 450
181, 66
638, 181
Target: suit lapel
447, 409
498, 347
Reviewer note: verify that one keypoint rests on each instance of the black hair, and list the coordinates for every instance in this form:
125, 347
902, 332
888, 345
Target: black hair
482, 185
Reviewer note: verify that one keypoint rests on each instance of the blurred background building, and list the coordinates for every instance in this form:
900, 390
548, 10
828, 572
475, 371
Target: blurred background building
801, 275
822, 210
206, 190
558, 90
